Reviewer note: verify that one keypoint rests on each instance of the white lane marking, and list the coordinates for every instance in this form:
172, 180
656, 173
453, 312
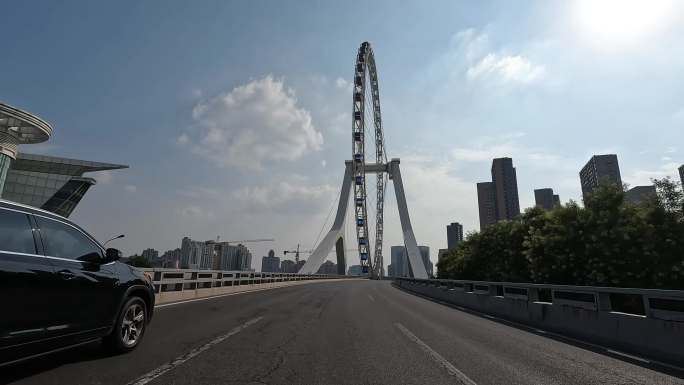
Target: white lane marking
145, 378
462, 378
370, 297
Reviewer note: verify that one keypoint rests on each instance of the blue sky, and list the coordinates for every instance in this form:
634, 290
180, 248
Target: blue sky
235, 116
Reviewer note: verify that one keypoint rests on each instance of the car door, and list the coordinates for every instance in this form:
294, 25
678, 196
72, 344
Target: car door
26, 282
86, 286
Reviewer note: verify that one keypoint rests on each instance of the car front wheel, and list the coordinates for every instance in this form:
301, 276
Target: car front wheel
130, 326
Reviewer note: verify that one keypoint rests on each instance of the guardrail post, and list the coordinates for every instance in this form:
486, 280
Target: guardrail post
647, 305
533, 294
604, 302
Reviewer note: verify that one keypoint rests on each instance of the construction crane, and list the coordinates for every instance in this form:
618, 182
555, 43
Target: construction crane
296, 253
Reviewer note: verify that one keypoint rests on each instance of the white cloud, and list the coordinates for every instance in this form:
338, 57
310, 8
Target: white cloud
284, 194
436, 196
103, 177
343, 84
508, 69
202, 193
183, 139
472, 43
130, 188
194, 211
472, 53
642, 177
254, 123
484, 149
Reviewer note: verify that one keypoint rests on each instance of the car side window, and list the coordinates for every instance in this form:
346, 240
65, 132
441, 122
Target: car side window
16, 234
64, 241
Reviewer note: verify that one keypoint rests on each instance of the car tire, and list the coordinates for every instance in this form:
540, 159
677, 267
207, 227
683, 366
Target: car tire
129, 327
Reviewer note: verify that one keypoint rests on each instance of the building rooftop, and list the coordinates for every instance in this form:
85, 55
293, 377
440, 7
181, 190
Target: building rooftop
24, 126
58, 165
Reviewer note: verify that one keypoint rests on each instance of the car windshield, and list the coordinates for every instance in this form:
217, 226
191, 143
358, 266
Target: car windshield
329, 192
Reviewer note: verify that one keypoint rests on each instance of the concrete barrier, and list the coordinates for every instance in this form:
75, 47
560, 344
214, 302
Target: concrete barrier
639, 321
172, 285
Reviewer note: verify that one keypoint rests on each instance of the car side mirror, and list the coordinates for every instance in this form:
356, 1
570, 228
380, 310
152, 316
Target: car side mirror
112, 255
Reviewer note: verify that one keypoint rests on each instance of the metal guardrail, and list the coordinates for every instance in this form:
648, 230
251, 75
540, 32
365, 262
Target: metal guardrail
179, 280
645, 322
649, 303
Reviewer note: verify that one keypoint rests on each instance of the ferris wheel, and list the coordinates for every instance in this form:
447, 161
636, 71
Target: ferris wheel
367, 120
367, 139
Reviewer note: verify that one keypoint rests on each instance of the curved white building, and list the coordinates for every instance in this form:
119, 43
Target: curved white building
18, 127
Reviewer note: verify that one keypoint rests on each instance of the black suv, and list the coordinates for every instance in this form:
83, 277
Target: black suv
60, 288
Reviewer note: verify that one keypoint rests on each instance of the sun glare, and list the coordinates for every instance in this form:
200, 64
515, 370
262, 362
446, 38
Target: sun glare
622, 22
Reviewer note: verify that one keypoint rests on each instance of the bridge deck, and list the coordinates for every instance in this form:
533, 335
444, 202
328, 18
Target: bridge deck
347, 332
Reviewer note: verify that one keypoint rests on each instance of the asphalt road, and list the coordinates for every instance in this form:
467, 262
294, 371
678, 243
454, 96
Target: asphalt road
345, 332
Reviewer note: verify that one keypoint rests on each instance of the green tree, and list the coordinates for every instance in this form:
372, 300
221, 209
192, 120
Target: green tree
609, 242
138, 261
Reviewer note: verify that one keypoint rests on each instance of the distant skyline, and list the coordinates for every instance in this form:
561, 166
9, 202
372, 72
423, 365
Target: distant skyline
235, 116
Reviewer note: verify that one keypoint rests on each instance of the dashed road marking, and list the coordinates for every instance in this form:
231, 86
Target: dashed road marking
370, 297
462, 378
146, 378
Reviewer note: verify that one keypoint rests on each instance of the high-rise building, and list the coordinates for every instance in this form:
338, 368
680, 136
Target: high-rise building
232, 257
639, 194
270, 263
355, 270
505, 189
454, 235
171, 259
150, 254
600, 169
208, 258
214, 255
400, 263
299, 264
328, 267
288, 266
681, 174
546, 199
425, 254
486, 202
191, 253
498, 199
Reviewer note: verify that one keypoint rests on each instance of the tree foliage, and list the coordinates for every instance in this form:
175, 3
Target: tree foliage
138, 261
609, 242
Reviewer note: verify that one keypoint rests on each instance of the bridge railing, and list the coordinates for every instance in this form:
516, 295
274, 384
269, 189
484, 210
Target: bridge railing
642, 321
178, 284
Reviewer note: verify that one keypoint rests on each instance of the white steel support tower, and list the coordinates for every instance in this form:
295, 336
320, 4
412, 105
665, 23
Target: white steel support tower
366, 119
